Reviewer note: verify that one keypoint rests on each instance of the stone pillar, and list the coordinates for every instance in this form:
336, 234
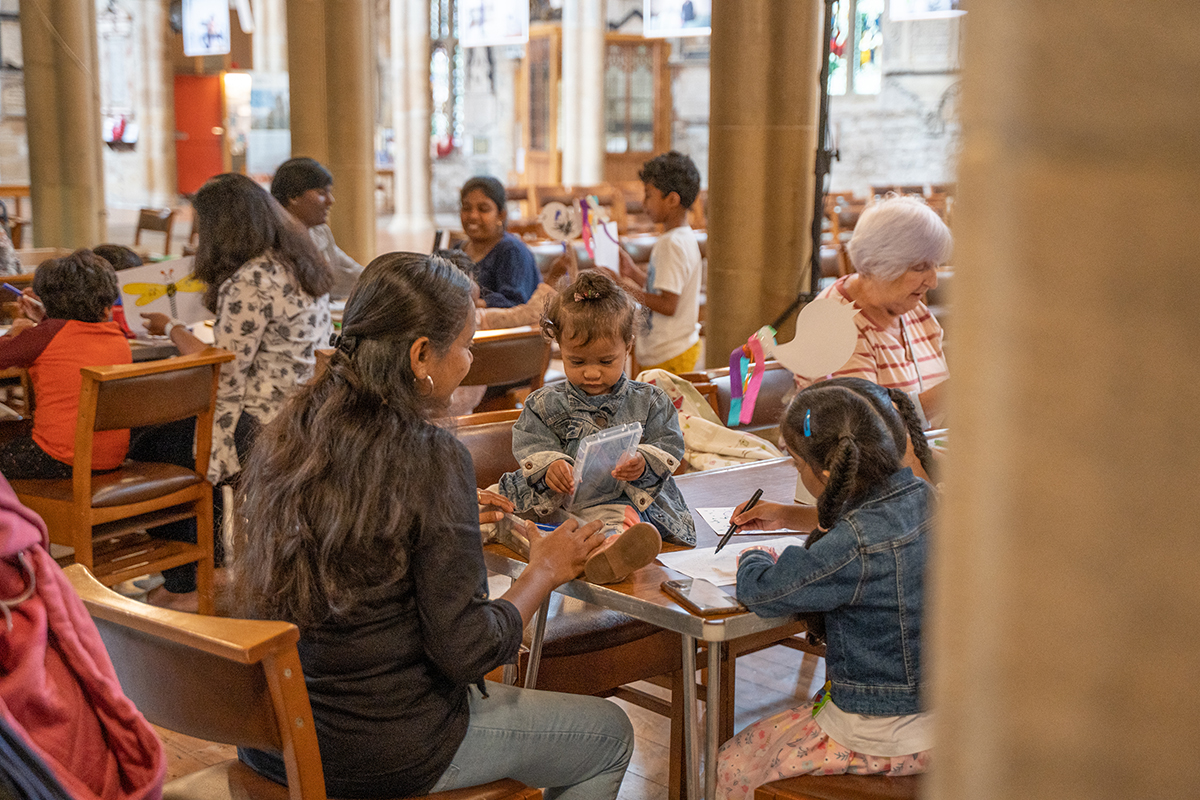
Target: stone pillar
270, 40
412, 107
157, 106
1065, 634
582, 133
765, 61
331, 79
62, 114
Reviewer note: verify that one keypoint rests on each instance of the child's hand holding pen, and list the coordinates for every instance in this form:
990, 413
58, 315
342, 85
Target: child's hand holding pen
561, 477
764, 516
631, 468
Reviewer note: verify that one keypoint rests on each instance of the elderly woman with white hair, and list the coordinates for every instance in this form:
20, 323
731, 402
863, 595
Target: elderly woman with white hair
896, 249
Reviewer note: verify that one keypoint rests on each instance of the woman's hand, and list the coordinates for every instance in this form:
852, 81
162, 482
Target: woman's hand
631, 468
156, 323
768, 516
501, 505
561, 477
31, 307
561, 554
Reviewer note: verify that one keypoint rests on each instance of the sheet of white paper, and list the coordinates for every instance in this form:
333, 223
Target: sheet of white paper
718, 520
607, 250
719, 568
166, 287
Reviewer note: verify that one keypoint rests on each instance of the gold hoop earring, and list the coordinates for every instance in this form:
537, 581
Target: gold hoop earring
420, 383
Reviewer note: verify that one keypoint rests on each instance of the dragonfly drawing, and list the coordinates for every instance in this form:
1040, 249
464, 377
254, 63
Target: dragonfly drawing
149, 292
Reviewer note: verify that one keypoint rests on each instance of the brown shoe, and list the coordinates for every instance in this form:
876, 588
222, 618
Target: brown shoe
623, 553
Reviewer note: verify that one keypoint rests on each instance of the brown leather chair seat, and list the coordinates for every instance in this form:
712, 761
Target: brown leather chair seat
575, 627
777, 383
841, 787
134, 482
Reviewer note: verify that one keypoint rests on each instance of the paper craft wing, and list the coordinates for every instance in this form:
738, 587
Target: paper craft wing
147, 292
562, 223
190, 284
824, 341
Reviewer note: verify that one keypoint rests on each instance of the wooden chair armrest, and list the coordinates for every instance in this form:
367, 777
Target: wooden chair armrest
210, 355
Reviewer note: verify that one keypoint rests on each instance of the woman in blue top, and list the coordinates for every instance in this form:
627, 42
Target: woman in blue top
505, 268
863, 569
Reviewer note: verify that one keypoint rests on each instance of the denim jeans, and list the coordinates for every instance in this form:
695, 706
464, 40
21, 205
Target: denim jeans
573, 746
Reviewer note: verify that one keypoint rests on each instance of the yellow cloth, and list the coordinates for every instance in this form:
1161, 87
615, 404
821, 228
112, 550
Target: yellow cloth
684, 362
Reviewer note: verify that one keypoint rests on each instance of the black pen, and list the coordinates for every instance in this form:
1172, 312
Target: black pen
725, 539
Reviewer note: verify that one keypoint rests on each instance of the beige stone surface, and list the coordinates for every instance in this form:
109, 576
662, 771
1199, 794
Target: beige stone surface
331, 83
1066, 660
762, 137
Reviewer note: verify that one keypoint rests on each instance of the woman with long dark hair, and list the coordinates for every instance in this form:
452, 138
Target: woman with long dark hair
269, 290
358, 522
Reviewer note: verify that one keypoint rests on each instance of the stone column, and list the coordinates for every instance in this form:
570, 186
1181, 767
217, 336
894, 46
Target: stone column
270, 40
582, 132
765, 62
157, 106
331, 80
62, 113
412, 107
1065, 632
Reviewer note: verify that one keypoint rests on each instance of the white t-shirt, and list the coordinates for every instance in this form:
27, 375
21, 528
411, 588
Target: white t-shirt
675, 268
902, 735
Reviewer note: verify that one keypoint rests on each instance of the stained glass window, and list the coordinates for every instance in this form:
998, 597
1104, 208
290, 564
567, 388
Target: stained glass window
855, 47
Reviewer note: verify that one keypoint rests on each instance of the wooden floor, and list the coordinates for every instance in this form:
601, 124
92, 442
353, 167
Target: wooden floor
768, 681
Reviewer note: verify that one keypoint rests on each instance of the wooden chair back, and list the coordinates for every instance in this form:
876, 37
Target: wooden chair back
155, 219
103, 515
234, 681
776, 384
509, 357
488, 437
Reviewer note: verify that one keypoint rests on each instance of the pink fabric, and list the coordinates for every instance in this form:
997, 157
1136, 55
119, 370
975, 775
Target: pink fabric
791, 743
57, 684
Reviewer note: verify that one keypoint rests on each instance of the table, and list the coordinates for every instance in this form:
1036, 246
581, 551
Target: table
640, 597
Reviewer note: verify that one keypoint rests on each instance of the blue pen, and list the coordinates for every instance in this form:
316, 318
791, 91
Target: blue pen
11, 288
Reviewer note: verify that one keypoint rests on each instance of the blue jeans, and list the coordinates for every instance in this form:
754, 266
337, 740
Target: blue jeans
573, 746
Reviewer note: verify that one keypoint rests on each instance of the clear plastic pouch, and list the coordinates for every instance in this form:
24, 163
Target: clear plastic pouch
597, 457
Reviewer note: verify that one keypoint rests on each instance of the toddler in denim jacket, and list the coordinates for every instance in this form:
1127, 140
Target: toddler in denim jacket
860, 575
593, 322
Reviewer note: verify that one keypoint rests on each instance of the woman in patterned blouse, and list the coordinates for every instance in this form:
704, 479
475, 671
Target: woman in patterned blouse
269, 289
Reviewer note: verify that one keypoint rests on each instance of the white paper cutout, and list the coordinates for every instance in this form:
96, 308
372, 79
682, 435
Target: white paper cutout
167, 287
825, 339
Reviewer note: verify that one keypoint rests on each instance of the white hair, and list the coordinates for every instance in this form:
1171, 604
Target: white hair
894, 235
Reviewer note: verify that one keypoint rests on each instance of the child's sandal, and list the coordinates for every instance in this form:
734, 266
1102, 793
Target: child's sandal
638, 546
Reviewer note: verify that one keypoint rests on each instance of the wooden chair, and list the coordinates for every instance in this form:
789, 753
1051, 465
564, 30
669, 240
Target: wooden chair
841, 787
234, 681
155, 219
512, 359
104, 515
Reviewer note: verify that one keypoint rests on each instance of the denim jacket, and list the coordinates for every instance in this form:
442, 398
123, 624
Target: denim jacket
555, 420
867, 575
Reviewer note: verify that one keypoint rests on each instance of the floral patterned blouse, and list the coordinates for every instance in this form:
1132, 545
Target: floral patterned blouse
273, 327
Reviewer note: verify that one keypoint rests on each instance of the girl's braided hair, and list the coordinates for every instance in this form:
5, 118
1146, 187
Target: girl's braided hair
857, 430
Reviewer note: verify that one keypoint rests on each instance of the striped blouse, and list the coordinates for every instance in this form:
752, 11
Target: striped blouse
914, 362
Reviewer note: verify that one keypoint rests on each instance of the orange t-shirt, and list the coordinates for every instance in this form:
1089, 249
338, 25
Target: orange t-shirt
54, 351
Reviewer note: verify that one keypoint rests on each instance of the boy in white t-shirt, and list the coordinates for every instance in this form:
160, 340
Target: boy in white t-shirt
670, 288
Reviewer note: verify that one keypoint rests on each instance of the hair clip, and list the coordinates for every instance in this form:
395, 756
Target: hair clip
587, 294
808, 423
347, 344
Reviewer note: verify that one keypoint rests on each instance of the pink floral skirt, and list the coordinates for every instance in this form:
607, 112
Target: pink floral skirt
791, 743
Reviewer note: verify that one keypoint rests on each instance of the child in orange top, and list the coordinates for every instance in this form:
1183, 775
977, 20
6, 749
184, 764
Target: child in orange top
70, 327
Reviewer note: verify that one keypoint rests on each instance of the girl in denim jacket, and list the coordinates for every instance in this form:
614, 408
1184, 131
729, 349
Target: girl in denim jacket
593, 323
862, 568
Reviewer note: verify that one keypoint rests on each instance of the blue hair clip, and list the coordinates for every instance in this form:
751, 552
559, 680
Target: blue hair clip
808, 423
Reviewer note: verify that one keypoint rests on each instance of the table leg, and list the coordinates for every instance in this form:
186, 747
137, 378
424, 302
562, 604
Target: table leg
713, 720
535, 647
690, 733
